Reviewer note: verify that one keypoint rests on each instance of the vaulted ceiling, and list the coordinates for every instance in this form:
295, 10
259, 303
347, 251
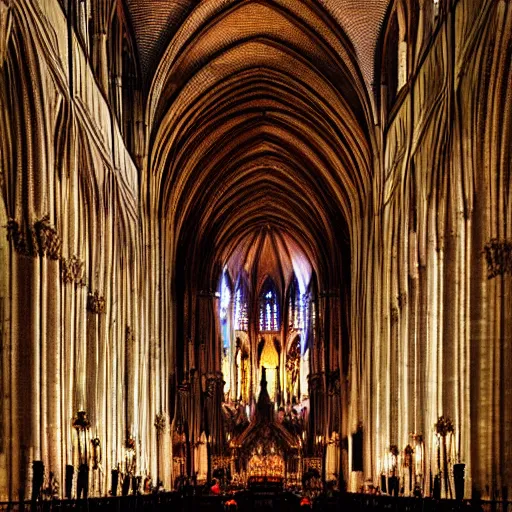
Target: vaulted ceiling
259, 113
269, 253
156, 21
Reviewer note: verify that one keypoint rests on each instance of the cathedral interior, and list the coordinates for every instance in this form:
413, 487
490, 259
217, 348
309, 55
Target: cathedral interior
255, 242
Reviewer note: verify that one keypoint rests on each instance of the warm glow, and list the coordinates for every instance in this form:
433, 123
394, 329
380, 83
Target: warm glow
266, 465
194, 193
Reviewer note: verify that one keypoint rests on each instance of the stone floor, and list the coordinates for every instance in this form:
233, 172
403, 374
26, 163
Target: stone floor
246, 502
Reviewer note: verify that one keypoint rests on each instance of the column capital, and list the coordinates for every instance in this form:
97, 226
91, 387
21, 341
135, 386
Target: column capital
498, 256
95, 302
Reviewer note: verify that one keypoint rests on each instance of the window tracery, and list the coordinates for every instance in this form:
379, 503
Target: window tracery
297, 307
241, 319
269, 311
286, 360
402, 46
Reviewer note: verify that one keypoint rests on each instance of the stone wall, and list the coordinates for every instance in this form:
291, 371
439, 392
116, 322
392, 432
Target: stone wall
436, 336
73, 336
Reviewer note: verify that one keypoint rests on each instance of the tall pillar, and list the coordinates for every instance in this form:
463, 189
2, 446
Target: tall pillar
163, 450
5, 29
101, 11
52, 428
209, 332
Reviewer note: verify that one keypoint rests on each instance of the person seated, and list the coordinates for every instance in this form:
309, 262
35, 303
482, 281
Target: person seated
215, 488
231, 505
148, 485
305, 503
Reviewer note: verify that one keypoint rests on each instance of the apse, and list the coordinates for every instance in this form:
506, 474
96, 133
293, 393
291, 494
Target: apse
260, 149
264, 294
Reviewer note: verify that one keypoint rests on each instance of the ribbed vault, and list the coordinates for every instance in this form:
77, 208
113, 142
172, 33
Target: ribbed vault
257, 124
269, 253
156, 22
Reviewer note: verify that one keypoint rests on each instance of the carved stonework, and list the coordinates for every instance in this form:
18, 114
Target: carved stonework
96, 453
48, 240
498, 254
293, 358
81, 421
334, 382
130, 444
315, 382
408, 452
394, 315
131, 455
214, 383
42, 239
184, 388
444, 426
160, 422
393, 450
95, 303
313, 463
72, 270
23, 244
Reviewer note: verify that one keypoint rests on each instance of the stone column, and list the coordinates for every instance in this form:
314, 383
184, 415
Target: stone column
164, 455
101, 10
209, 332
5, 29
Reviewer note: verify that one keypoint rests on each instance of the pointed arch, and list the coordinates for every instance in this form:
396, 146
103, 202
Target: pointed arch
269, 308
395, 63
241, 305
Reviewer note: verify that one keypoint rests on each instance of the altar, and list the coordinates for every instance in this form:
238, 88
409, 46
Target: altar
266, 465
266, 452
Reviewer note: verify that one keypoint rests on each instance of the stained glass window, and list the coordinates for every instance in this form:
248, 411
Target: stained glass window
269, 311
241, 321
225, 299
297, 307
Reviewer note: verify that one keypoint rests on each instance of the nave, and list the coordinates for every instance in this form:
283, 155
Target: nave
250, 242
